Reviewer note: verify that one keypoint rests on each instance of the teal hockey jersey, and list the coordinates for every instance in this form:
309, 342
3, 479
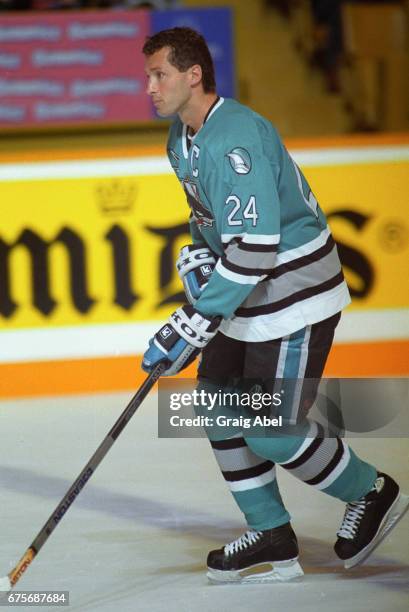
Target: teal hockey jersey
278, 268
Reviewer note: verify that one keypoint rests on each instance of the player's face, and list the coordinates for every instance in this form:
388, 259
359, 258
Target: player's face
169, 89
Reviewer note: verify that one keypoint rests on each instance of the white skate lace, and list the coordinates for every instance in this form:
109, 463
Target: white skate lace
352, 517
247, 539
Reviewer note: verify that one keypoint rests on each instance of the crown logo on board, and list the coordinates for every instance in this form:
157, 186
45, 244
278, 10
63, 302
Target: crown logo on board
116, 196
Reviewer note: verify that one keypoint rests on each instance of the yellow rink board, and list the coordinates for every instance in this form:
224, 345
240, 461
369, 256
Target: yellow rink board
366, 204
87, 207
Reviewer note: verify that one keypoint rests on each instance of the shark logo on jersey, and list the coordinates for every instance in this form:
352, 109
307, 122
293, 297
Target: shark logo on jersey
174, 158
201, 214
240, 160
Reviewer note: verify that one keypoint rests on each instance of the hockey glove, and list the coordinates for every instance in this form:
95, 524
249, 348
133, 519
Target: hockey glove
195, 265
180, 341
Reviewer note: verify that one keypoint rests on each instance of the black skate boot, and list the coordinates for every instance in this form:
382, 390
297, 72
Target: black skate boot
367, 521
257, 556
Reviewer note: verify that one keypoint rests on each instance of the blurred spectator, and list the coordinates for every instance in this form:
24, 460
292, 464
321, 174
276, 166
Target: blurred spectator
15, 5
51, 5
65, 5
374, 1
130, 4
133, 4
328, 46
376, 37
282, 6
328, 39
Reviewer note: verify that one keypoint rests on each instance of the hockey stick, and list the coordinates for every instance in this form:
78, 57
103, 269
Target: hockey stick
9, 581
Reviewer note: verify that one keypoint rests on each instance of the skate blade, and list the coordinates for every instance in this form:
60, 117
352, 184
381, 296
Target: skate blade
396, 512
279, 571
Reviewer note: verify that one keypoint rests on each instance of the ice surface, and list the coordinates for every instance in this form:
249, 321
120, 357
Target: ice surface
137, 537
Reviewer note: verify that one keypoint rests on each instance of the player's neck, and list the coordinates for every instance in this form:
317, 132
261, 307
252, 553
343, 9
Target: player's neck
196, 110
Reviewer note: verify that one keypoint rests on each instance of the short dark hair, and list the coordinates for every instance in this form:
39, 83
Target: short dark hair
187, 47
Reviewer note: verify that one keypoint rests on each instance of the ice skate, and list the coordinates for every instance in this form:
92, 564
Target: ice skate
257, 556
367, 521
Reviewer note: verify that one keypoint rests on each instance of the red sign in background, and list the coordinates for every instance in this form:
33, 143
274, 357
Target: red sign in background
73, 68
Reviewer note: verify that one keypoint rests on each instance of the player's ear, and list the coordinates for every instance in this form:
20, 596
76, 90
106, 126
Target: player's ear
195, 75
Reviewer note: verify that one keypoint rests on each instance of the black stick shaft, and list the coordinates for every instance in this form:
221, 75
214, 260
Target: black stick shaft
85, 475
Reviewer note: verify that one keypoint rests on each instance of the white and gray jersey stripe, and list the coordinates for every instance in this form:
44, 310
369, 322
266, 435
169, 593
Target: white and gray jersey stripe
287, 286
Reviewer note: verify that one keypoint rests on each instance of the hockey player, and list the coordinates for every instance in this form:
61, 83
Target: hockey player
268, 311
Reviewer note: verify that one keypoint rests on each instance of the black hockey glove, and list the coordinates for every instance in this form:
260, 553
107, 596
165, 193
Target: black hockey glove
180, 341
